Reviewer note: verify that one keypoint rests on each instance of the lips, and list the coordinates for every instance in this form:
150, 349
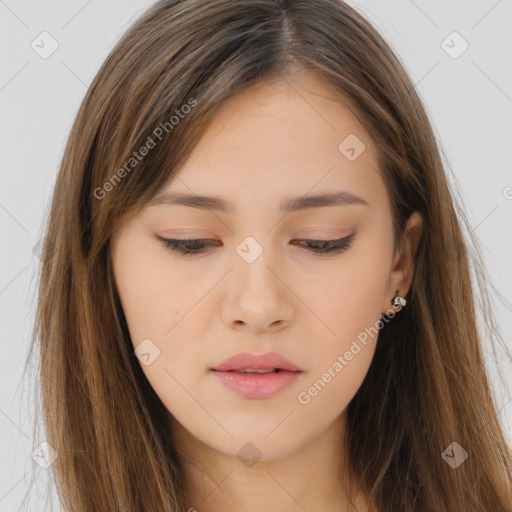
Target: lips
249, 361
257, 377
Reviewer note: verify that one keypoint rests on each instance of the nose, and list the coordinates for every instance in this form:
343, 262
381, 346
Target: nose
258, 299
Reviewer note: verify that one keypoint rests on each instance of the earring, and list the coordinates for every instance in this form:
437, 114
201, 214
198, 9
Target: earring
398, 301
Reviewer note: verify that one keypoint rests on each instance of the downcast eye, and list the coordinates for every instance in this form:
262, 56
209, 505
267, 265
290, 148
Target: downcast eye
198, 245
327, 246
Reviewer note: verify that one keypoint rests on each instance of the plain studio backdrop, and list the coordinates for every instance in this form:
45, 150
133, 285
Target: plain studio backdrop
457, 53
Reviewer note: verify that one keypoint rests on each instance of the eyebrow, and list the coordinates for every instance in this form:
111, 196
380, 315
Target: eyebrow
340, 198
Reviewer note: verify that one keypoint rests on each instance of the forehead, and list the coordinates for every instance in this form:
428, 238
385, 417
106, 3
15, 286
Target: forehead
282, 139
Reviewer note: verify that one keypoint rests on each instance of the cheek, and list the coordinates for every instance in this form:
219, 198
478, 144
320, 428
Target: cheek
153, 299
348, 301
163, 311
348, 295
341, 358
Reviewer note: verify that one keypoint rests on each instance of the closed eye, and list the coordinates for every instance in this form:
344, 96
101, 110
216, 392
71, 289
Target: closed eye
197, 245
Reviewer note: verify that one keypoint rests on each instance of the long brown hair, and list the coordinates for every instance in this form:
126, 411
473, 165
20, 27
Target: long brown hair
164, 81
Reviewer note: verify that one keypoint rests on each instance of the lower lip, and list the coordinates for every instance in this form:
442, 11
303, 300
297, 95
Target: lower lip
254, 385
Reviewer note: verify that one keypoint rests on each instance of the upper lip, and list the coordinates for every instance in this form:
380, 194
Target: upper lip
248, 360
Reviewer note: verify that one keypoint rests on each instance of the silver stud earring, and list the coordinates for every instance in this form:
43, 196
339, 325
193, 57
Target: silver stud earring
399, 301
396, 301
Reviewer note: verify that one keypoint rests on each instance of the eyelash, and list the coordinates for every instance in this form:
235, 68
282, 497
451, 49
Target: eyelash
318, 247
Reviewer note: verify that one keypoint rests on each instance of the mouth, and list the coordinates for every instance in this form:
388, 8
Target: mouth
257, 376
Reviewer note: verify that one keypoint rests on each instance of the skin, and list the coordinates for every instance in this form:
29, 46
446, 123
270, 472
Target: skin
271, 142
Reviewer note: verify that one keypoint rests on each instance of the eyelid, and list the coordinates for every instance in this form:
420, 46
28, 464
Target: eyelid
185, 246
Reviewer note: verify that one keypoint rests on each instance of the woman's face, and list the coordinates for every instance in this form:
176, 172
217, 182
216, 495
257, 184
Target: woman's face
259, 288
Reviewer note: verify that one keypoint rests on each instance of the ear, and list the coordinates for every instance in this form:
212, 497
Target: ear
402, 269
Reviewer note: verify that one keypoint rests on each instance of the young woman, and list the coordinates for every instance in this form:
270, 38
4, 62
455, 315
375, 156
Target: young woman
255, 290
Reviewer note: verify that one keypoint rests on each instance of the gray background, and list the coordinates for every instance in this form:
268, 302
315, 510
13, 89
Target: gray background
468, 98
